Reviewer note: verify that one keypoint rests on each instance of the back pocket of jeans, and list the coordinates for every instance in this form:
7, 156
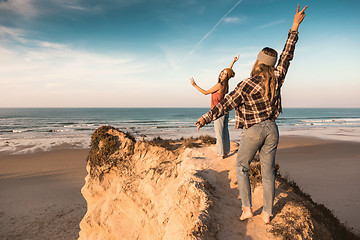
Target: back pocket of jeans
254, 133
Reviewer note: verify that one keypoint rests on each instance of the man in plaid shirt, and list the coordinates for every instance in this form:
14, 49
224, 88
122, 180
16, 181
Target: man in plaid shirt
257, 103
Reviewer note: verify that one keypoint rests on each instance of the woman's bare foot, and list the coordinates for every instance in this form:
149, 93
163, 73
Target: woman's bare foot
222, 157
247, 213
265, 217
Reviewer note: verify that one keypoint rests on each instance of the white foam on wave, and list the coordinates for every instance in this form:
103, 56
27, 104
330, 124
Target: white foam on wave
28, 142
80, 125
327, 123
334, 133
20, 130
332, 120
63, 130
31, 145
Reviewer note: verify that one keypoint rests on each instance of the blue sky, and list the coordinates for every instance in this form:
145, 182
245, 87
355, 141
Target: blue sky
141, 53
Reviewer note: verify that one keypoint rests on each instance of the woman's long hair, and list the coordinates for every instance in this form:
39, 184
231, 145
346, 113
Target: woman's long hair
225, 84
269, 82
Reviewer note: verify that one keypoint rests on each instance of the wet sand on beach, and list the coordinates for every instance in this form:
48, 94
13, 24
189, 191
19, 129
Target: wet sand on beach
40, 194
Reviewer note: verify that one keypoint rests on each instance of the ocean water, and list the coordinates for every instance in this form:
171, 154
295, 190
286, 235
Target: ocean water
25, 130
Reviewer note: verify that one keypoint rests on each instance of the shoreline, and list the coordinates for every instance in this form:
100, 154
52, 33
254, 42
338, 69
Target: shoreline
33, 145
42, 189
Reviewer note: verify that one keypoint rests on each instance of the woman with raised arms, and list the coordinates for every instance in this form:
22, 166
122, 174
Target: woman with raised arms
217, 94
257, 103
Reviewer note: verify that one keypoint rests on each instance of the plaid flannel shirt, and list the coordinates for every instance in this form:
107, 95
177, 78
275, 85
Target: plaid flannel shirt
247, 98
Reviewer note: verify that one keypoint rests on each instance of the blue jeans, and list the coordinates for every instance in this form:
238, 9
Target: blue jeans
222, 135
264, 137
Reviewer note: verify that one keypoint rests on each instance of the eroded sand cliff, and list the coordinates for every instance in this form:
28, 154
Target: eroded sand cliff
141, 190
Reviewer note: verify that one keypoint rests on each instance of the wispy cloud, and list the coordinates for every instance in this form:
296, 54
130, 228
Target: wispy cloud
24, 8
34, 8
211, 31
234, 19
12, 34
35, 63
95, 6
81, 8
270, 24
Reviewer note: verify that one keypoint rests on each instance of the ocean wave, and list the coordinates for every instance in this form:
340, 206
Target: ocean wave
61, 130
328, 124
332, 120
170, 127
6, 131
80, 125
84, 129
140, 121
67, 123
30, 145
21, 130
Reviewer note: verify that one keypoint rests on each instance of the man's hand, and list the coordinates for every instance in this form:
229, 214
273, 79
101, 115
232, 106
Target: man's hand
298, 18
200, 123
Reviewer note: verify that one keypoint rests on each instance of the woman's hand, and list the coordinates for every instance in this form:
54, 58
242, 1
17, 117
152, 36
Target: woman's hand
193, 82
236, 58
298, 18
200, 123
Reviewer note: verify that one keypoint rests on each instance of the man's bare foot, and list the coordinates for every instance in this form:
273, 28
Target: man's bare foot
265, 217
220, 157
247, 213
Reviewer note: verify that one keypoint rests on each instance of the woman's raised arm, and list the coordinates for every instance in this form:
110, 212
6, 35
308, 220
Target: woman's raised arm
289, 48
298, 18
234, 61
205, 92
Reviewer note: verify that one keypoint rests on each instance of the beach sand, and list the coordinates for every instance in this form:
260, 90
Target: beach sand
328, 170
40, 195
41, 198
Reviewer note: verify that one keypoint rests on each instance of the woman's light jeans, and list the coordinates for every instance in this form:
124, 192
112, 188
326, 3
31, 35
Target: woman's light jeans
264, 137
222, 135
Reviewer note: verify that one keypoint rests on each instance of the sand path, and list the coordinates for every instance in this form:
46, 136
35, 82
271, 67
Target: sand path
227, 203
312, 162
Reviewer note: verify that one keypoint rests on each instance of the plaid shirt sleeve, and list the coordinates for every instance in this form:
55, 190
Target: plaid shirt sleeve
231, 100
286, 56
